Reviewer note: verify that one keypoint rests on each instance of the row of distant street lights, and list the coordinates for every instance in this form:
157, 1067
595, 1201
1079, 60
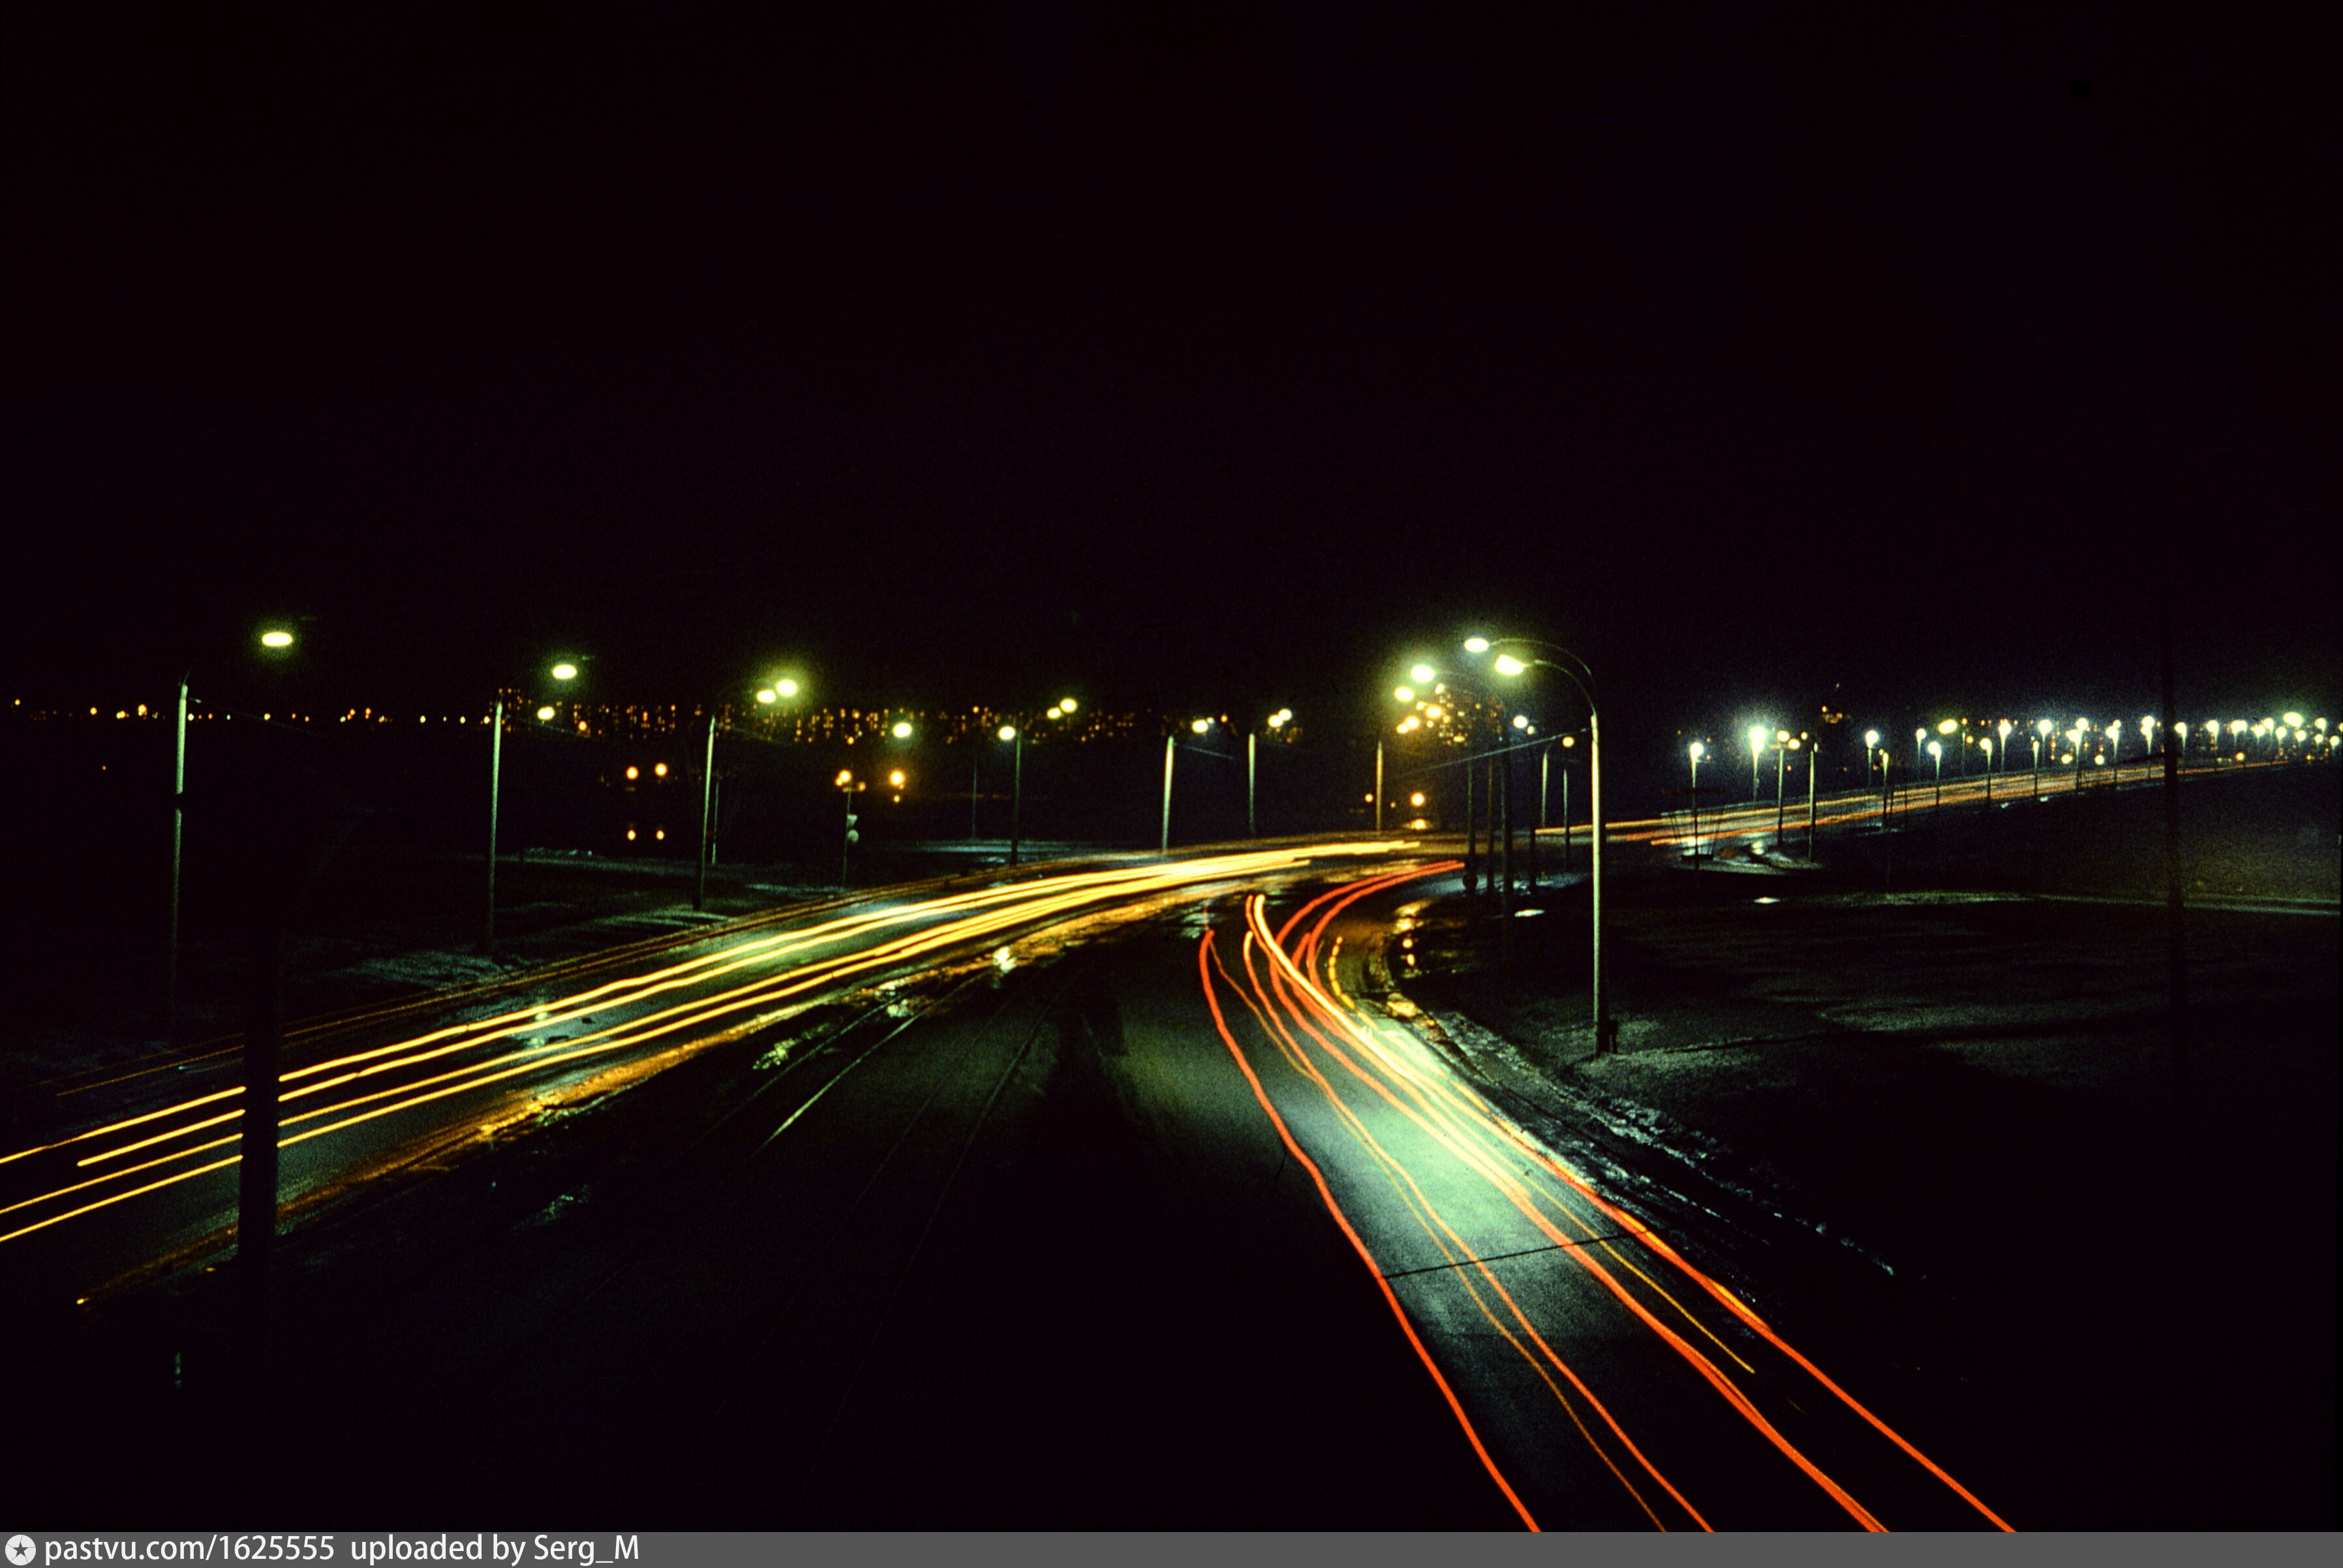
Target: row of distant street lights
2270, 737
778, 690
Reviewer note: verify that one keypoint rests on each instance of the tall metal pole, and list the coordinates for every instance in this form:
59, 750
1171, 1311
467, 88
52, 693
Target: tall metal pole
178, 822
1595, 767
1696, 812
1565, 820
256, 1168
1781, 765
1503, 760
1472, 830
706, 817
1166, 846
1810, 805
495, 779
1251, 831
1016, 794
975, 761
2174, 897
1379, 787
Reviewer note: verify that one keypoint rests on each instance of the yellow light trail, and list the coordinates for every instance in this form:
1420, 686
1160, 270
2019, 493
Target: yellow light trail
350, 1089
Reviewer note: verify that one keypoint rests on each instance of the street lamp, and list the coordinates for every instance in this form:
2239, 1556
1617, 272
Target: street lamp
275, 639
1937, 750
1871, 745
564, 670
1756, 749
2003, 730
1695, 751
2042, 730
1576, 672
1198, 726
1277, 720
1781, 745
1985, 744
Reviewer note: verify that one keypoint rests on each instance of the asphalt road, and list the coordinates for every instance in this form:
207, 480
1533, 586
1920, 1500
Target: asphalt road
1121, 1215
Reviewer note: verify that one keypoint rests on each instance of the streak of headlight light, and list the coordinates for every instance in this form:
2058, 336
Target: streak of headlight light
1420, 1204
1391, 1297
1478, 1112
1033, 901
1507, 1187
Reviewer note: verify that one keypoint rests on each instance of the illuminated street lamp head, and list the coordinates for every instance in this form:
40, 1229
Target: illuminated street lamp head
1508, 665
1066, 703
1521, 721
845, 777
1781, 736
544, 712
1403, 693
1422, 673
565, 671
2237, 726
1697, 751
765, 694
1199, 725
1476, 645
2004, 728
1057, 713
896, 779
275, 638
1277, 720
1936, 748
1415, 798
1985, 745
1009, 732
2293, 720
1756, 739
1871, 737
1946, 725
2043, 727
903, 730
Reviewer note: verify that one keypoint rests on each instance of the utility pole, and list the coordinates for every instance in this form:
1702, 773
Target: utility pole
1379, 787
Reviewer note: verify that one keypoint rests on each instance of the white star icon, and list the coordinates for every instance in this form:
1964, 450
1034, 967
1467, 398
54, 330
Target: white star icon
20, 1550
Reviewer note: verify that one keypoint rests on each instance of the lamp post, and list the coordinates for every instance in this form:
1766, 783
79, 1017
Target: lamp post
275, 639
1756, 749
1870, 747
2003, 730
2042, 730
1781, 744
2115, 751
1985, 744
1695, 751
1170, 743
1579, 675
1812, 757
1937, 750
1277, 720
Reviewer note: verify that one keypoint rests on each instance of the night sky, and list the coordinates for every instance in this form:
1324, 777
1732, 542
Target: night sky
1188, 353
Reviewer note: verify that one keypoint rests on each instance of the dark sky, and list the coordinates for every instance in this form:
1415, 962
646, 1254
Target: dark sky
1191, 351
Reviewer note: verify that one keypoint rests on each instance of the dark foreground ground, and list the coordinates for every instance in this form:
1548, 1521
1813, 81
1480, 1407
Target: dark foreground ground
1950, 1121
